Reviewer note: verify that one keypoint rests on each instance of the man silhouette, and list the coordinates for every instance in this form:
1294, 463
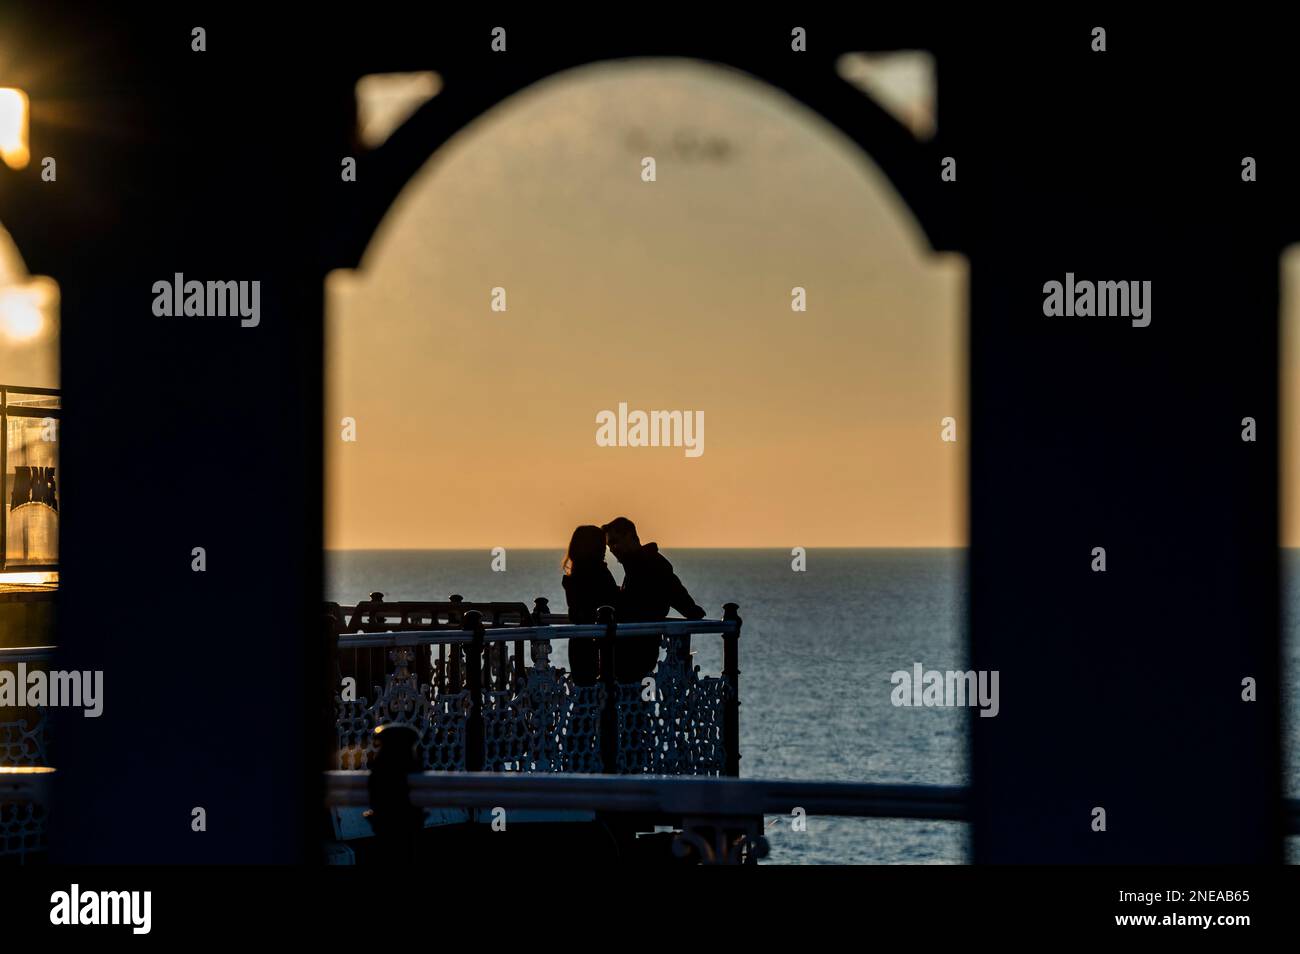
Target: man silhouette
650, 588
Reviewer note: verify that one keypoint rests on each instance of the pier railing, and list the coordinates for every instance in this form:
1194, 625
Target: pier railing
476, 683
713, 821
24, 762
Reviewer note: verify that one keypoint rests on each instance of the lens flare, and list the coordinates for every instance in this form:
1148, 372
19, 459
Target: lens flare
13, 128
21, 316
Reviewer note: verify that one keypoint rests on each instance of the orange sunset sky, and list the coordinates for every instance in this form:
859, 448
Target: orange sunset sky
477, 428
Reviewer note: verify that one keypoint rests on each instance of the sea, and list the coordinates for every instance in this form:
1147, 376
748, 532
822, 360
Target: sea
817, 650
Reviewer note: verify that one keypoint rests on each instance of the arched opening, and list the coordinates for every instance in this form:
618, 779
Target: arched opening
768, 276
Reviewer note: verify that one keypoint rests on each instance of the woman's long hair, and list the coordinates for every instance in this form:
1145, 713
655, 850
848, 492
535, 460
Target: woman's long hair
587, 545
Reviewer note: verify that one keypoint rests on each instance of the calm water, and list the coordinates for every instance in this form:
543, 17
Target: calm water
815, 659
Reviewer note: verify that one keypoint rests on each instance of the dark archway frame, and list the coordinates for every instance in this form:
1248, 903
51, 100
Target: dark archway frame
1055, 404
912, 167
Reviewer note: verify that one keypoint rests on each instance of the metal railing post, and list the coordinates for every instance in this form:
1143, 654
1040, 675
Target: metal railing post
474, 739
608, 714
454, 616
395, 821
333, 684
376, 660
540, 649
731, 673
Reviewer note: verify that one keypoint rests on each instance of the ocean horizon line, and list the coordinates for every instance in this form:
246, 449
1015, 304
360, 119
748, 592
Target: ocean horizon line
476, 549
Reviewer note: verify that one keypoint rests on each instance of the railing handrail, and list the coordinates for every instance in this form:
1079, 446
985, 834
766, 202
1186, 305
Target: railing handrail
16, 654
505, 634
665, 794
683, 795
376, 612
22, 389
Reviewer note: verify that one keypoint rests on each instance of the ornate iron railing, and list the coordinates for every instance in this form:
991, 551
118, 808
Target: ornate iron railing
457, 673
24, 756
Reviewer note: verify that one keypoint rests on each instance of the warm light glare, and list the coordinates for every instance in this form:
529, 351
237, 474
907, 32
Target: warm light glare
21, 317
13, 128
28, 579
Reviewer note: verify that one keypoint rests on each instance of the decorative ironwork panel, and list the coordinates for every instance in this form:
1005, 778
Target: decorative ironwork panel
547, 723
678, 730
440, 720
551, 725
508, 721
21, 745
22, 828
580, 739
702, 735
22, 824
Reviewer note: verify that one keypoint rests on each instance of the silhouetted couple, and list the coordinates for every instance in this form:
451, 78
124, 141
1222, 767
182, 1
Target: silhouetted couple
650, 588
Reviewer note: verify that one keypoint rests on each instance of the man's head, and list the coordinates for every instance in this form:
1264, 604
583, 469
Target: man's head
620, 536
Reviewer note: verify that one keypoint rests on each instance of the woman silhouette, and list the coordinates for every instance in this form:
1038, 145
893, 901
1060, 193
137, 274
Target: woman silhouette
588, 585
